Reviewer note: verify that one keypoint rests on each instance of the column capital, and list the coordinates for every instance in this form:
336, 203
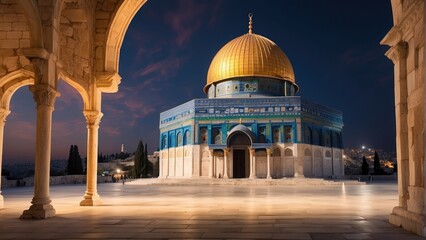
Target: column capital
93, 118
251, 151
226, 151
398, 52
268, 152
44, 94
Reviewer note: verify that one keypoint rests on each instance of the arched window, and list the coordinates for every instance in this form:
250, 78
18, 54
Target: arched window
262, 137
308, 135
288, 152
187, 138
328, 154
217, 136
336, 140
288, 135
164, 142
172, 140
317, 138
327, 139
308, 152
277, 152
203, 135
277, 137
179, 139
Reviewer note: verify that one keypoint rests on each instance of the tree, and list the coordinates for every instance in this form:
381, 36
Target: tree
139, 154
75, 164
365, 166
145, 162
377, 167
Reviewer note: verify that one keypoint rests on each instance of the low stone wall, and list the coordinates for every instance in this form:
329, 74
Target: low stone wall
373, 178
57, 180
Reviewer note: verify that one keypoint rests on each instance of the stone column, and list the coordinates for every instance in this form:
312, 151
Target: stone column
44, 96
398, 54
211, 154
252, 165
91, 197
225, 162
268, 163
3, 114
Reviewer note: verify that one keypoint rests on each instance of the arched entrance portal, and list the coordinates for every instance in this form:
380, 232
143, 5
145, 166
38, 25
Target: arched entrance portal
240, 144
240, 141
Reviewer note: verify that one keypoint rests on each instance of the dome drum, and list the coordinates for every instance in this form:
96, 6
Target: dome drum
251, 87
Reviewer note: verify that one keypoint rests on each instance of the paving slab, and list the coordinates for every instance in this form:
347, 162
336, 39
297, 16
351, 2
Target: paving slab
142, 210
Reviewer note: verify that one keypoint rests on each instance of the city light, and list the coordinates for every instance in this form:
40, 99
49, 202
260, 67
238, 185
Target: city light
118, 170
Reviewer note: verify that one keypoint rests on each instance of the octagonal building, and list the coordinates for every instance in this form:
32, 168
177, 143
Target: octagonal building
251, 125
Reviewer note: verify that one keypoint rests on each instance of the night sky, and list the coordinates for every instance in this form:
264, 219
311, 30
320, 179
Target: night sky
333, 46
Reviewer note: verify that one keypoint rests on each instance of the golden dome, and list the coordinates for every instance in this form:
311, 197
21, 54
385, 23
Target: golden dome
250, 55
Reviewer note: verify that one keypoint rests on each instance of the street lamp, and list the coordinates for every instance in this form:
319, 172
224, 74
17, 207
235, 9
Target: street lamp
118, 170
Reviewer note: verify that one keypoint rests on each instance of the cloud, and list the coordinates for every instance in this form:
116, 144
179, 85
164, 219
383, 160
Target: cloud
110, 131
163, 68
19, 130
68, 128
185, 20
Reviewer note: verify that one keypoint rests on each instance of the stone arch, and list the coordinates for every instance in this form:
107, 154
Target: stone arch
307, 163
80, 87
288, 152
12, 82
328, 154
337, 154
308, 152
318, 164
277, 152
116, 31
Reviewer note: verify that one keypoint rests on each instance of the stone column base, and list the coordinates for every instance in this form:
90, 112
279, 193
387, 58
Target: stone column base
91, 200
410, 221
39, 211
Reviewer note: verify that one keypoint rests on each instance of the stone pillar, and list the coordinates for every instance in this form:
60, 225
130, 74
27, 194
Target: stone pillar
225, 162
211, 154
398, 54
91, 197
44, 96
252, 166
3, 114
268, 163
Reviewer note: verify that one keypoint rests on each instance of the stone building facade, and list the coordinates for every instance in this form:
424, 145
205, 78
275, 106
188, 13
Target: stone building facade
407, 50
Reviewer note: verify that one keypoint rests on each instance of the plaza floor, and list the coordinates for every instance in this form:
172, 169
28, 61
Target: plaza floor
137, 211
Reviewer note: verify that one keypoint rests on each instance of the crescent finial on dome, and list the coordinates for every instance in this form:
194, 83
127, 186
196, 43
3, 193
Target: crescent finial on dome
250, 15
